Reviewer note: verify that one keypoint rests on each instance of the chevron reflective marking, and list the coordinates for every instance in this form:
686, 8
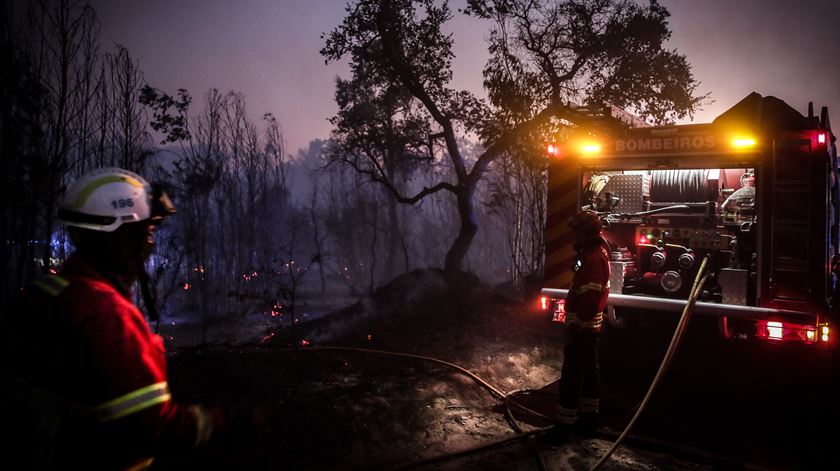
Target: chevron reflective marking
557, 230
560, 207
555, 243
559, 274
558, 235
563, 203
563, 254
559, 187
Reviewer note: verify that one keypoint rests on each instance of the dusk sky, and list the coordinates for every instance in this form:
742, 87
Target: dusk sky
268, 50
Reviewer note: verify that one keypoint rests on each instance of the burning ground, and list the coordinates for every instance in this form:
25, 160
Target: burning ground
309, 408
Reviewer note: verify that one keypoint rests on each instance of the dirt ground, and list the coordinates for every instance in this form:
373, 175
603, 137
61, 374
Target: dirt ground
309, 408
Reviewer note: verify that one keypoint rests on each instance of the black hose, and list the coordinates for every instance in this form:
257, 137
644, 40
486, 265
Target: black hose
519, 435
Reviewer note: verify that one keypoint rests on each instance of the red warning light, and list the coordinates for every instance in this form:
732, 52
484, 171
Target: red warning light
643, 239
821, 138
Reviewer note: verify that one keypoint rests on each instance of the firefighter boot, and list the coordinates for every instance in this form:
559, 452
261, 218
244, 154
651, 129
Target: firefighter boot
587, 424
559, 434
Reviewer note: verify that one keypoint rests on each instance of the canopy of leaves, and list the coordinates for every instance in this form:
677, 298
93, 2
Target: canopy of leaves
401, 65
545, 57
546, 53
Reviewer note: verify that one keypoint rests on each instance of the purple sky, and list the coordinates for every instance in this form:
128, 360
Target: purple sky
268, 49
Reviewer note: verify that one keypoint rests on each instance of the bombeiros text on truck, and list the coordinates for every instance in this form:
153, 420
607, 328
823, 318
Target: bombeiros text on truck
756, 191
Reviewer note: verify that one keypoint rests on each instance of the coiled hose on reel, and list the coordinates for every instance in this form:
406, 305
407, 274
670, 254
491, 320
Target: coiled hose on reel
678, 185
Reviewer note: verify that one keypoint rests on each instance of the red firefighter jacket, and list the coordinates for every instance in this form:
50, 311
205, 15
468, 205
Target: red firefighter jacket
88, 344
590, 289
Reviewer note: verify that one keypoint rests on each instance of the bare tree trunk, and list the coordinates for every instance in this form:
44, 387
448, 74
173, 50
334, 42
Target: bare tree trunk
394, 237
374, 240
466, 212
317, 239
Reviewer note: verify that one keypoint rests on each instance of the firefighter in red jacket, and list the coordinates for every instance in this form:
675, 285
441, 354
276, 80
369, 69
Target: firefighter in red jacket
580, 382
86, 353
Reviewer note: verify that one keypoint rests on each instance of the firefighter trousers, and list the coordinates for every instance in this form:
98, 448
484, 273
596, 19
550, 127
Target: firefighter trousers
580, 377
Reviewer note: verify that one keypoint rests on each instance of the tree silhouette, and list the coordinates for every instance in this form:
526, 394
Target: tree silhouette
545, 56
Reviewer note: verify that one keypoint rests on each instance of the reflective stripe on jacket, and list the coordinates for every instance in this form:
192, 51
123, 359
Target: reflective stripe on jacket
590, 288
94, 348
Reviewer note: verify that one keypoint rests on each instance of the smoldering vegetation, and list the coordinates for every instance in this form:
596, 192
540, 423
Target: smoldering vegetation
264, 235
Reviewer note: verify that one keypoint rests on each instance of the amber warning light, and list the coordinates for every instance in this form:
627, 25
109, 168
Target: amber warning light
585, 149
590, 148
743, 142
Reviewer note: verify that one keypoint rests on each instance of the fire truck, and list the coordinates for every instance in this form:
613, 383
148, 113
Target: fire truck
756, 190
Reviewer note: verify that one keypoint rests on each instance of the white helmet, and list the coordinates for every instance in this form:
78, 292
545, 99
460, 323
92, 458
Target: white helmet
106, 198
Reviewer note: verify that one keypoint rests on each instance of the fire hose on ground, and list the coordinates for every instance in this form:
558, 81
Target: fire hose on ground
519, 435
509, 402
699, 280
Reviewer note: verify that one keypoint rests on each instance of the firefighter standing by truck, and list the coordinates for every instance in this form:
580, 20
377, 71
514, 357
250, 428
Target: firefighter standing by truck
579, 395
89, 367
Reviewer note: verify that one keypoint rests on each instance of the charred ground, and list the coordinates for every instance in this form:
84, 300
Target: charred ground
307, 408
